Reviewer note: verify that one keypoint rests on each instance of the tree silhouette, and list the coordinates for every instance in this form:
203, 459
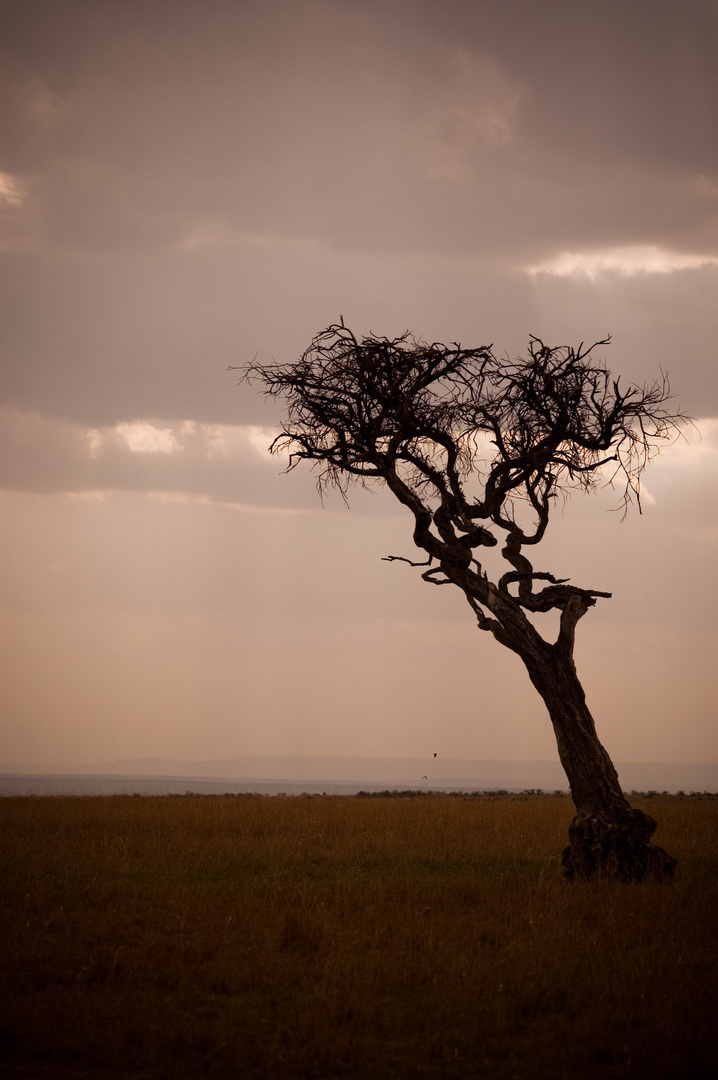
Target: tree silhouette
479, 448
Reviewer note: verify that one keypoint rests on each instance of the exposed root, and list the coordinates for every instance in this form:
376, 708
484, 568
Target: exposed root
616, 846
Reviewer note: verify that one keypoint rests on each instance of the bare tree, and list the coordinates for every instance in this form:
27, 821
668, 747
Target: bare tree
479, 448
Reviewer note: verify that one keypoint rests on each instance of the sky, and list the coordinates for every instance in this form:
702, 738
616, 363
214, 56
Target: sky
189, 186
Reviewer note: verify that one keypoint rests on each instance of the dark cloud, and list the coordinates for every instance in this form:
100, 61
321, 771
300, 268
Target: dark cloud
224, 179
100, 341
469, 127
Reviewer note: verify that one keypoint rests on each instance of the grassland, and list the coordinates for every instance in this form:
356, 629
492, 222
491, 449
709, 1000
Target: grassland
327, 937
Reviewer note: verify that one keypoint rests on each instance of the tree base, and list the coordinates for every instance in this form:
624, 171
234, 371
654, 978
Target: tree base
616, 845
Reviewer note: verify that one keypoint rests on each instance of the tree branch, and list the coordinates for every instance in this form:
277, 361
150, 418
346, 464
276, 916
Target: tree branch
400, 558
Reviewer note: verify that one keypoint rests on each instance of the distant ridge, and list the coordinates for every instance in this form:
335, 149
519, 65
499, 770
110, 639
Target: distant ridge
373, 772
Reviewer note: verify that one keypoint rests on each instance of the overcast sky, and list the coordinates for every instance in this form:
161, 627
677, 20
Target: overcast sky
185, 186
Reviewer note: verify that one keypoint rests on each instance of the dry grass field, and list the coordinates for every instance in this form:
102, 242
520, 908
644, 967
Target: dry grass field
325, 937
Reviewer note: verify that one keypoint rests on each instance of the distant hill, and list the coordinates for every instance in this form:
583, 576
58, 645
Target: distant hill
419, 772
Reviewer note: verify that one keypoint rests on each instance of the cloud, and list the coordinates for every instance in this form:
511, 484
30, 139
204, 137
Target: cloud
684, 480
141, 438
231, 465
656, 320
17, 229
361, 128
475, 108
624, 261
195, 191
11, 190
228, 464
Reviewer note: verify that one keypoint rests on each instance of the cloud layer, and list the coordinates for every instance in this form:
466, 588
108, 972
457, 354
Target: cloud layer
178, 194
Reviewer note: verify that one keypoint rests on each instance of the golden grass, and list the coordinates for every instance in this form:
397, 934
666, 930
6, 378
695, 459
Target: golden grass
332, 936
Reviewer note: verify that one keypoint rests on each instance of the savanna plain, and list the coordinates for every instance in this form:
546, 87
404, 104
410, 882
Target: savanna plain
336, 936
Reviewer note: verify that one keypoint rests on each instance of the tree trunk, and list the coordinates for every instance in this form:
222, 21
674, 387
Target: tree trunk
607, 836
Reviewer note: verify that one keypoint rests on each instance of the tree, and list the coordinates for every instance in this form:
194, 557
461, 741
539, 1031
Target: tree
479, 448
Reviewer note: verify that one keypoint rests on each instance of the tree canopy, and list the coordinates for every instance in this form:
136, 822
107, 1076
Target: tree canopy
476, 446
